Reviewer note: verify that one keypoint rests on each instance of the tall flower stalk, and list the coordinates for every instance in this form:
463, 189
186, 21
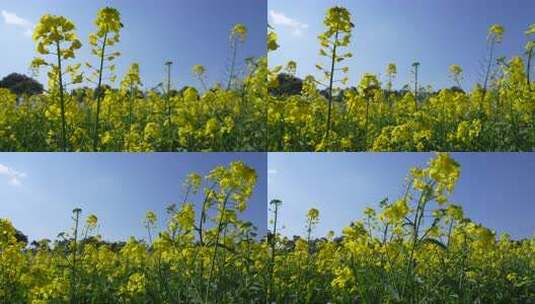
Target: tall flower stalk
416, 67
336, 37
238, 35
108, 23
55, 35
169, 108
494, 38
74, 267
199, 72
275, 204
530, 52
456, 74
130, 85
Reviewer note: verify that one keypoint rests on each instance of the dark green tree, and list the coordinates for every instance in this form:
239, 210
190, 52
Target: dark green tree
21, 84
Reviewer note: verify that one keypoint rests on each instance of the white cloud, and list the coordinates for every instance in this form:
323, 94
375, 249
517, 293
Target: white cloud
13, 176
278, 18
14, 20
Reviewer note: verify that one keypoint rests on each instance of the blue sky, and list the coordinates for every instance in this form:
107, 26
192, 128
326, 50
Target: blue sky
186, 32
435, 33
39, 190
495, 189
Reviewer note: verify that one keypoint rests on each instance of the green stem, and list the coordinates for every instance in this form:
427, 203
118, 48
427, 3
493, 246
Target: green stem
528, 69
75, 252
218, 234
99, 97
273, 253
331, 81
233, 62
62, 100
169, 127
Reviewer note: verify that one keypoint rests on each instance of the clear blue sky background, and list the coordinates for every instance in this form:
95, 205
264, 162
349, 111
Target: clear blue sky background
495, 189
185, 31
435, 33
118, 188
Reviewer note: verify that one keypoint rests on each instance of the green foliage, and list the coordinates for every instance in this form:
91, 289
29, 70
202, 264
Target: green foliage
104, 118
419, 249
210, 258
371, 116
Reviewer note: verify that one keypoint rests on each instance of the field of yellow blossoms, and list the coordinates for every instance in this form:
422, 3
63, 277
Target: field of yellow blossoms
497, 115
419, 248
81, 112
